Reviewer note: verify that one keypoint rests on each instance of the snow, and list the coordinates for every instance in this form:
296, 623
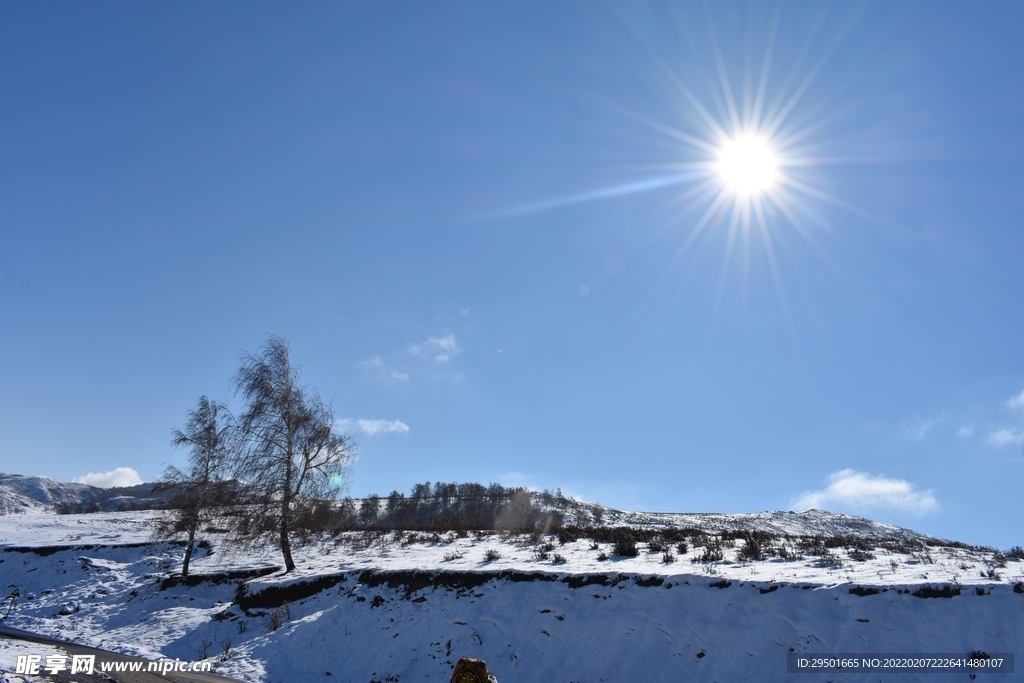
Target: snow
387, 609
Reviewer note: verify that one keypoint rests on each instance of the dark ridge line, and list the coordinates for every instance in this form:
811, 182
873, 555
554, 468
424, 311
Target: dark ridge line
275, 596
411, 581
222, 577
46, 550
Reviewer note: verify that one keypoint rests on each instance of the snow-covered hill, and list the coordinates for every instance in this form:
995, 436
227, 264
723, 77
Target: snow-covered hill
20, 493
808, 523
399, 607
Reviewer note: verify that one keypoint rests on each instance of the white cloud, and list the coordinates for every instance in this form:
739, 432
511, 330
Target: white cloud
964, 432
1002, 437
373, 427
374, 363
440, 349
848, 488
1016, 402
381, 369
513, 479
921, 429
120, 476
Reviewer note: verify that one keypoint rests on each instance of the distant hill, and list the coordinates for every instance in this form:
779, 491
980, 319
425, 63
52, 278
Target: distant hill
20, 493
779, 522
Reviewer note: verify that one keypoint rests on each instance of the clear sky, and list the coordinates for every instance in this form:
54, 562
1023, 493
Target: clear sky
498, 236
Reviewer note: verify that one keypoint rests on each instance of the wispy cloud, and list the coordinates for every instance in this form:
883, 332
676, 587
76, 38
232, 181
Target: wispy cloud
920, 429
965, 432
1016, 402
848, 488
440, 349
1003, 437
381, 369
997, 437
119, 476
372, 427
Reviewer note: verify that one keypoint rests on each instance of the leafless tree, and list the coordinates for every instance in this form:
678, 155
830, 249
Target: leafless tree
199, 488
288, 456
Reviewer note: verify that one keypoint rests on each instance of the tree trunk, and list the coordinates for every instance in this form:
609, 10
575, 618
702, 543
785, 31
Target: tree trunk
188, 550
286, 546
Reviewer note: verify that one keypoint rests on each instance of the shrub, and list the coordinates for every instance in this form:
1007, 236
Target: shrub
1015, 553
655, 546
858, 555
491, 555
275, 621
752, 550
602, 556
453, 555
626, 547
786, 552
712, 552
829, 558
668, 557
682, 548
557, 559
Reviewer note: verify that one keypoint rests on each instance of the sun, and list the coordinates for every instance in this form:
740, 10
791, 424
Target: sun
747, 166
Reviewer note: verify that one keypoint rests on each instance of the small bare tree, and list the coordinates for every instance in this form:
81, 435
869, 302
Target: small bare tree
199, 488
288, 455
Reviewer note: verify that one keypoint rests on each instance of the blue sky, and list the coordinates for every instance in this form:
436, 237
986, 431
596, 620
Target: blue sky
489, 233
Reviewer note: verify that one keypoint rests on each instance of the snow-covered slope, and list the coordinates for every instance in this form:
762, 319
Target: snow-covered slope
19, 493
809, 523
387, 607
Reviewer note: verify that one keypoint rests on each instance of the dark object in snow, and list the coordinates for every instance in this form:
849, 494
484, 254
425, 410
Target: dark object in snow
468, 670
13, 597
946, 591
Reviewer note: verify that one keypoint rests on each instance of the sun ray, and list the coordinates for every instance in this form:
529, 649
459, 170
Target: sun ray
812, 75
773, 265
746, 173
691, 140
723, 270
783, 206
723, 77
769, 53
835, 201
604, 193
709, 120
695, 232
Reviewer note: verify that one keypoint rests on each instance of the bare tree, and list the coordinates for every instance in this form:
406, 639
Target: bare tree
288, 455
199, 488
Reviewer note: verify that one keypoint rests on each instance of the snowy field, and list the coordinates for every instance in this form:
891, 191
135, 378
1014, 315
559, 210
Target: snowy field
387, 607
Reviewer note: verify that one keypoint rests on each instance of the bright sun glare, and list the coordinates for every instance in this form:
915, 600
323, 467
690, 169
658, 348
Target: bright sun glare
747, 165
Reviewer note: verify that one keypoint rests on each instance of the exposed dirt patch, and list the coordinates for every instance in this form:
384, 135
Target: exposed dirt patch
275, 596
